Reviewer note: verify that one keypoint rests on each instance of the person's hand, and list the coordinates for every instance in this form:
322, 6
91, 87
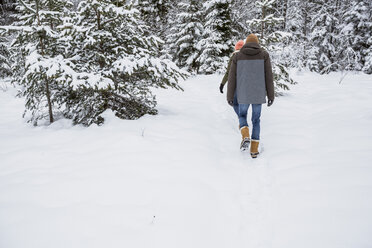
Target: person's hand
231, 103
221, 88
270, 102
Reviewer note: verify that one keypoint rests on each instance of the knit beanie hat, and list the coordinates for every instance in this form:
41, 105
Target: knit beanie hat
251, 38
239, 45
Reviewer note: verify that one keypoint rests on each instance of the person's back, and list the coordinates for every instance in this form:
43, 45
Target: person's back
251, 78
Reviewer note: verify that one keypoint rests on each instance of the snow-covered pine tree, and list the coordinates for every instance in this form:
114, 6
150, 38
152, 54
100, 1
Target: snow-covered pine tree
7, 9
185, 35
216, 43
241, 11
116, 64
38, 69
324, 37
271, 39
295, 48
5, 63
155, 13
266, 25
367, 68
355, 32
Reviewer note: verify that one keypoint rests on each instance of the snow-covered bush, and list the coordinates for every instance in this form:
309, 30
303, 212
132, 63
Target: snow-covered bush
78, 64
116, 62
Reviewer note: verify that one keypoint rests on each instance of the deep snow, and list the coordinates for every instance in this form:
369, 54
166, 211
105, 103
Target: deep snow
178, 179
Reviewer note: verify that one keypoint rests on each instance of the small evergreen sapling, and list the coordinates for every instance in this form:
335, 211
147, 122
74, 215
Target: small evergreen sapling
38, 69
116, 64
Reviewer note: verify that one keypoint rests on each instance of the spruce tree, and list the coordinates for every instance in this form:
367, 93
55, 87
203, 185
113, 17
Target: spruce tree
367, 68
5, 63
155, 13
270, 39
241, 11
355, 31
37, 68
116, 64
216, 43
296, 46
185, 35
7, 11
325, 37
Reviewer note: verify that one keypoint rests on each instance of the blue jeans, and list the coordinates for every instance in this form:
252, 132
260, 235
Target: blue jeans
236, 104
256, 114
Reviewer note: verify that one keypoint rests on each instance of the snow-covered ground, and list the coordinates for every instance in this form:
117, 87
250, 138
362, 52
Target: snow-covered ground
179, 180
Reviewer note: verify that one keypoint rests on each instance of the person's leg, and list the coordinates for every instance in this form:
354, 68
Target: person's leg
256, 115
236, 105
243, 124
243, 111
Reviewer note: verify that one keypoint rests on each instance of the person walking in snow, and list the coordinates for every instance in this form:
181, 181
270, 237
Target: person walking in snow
238, 46
251, 80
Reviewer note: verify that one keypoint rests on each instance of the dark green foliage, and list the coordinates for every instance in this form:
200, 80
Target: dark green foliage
155, 13
5, 62
282, 78
86, 106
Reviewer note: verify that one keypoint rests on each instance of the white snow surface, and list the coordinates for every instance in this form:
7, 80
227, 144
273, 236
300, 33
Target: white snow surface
179, 180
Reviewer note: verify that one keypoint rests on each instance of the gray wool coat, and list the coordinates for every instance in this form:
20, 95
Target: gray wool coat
251, 76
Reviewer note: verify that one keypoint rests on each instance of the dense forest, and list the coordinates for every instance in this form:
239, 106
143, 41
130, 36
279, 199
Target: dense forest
76, 59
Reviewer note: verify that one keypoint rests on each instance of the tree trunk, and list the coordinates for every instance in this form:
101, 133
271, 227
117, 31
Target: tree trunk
306, 21
51, 118
51, 19
262, 23
98, 14
285, 14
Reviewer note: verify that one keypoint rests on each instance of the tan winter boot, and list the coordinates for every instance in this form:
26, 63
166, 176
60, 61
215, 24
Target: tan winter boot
244, 145
254, 148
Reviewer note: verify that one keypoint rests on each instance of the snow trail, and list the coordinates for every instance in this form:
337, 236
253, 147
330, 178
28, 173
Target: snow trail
220, 126
178, 179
